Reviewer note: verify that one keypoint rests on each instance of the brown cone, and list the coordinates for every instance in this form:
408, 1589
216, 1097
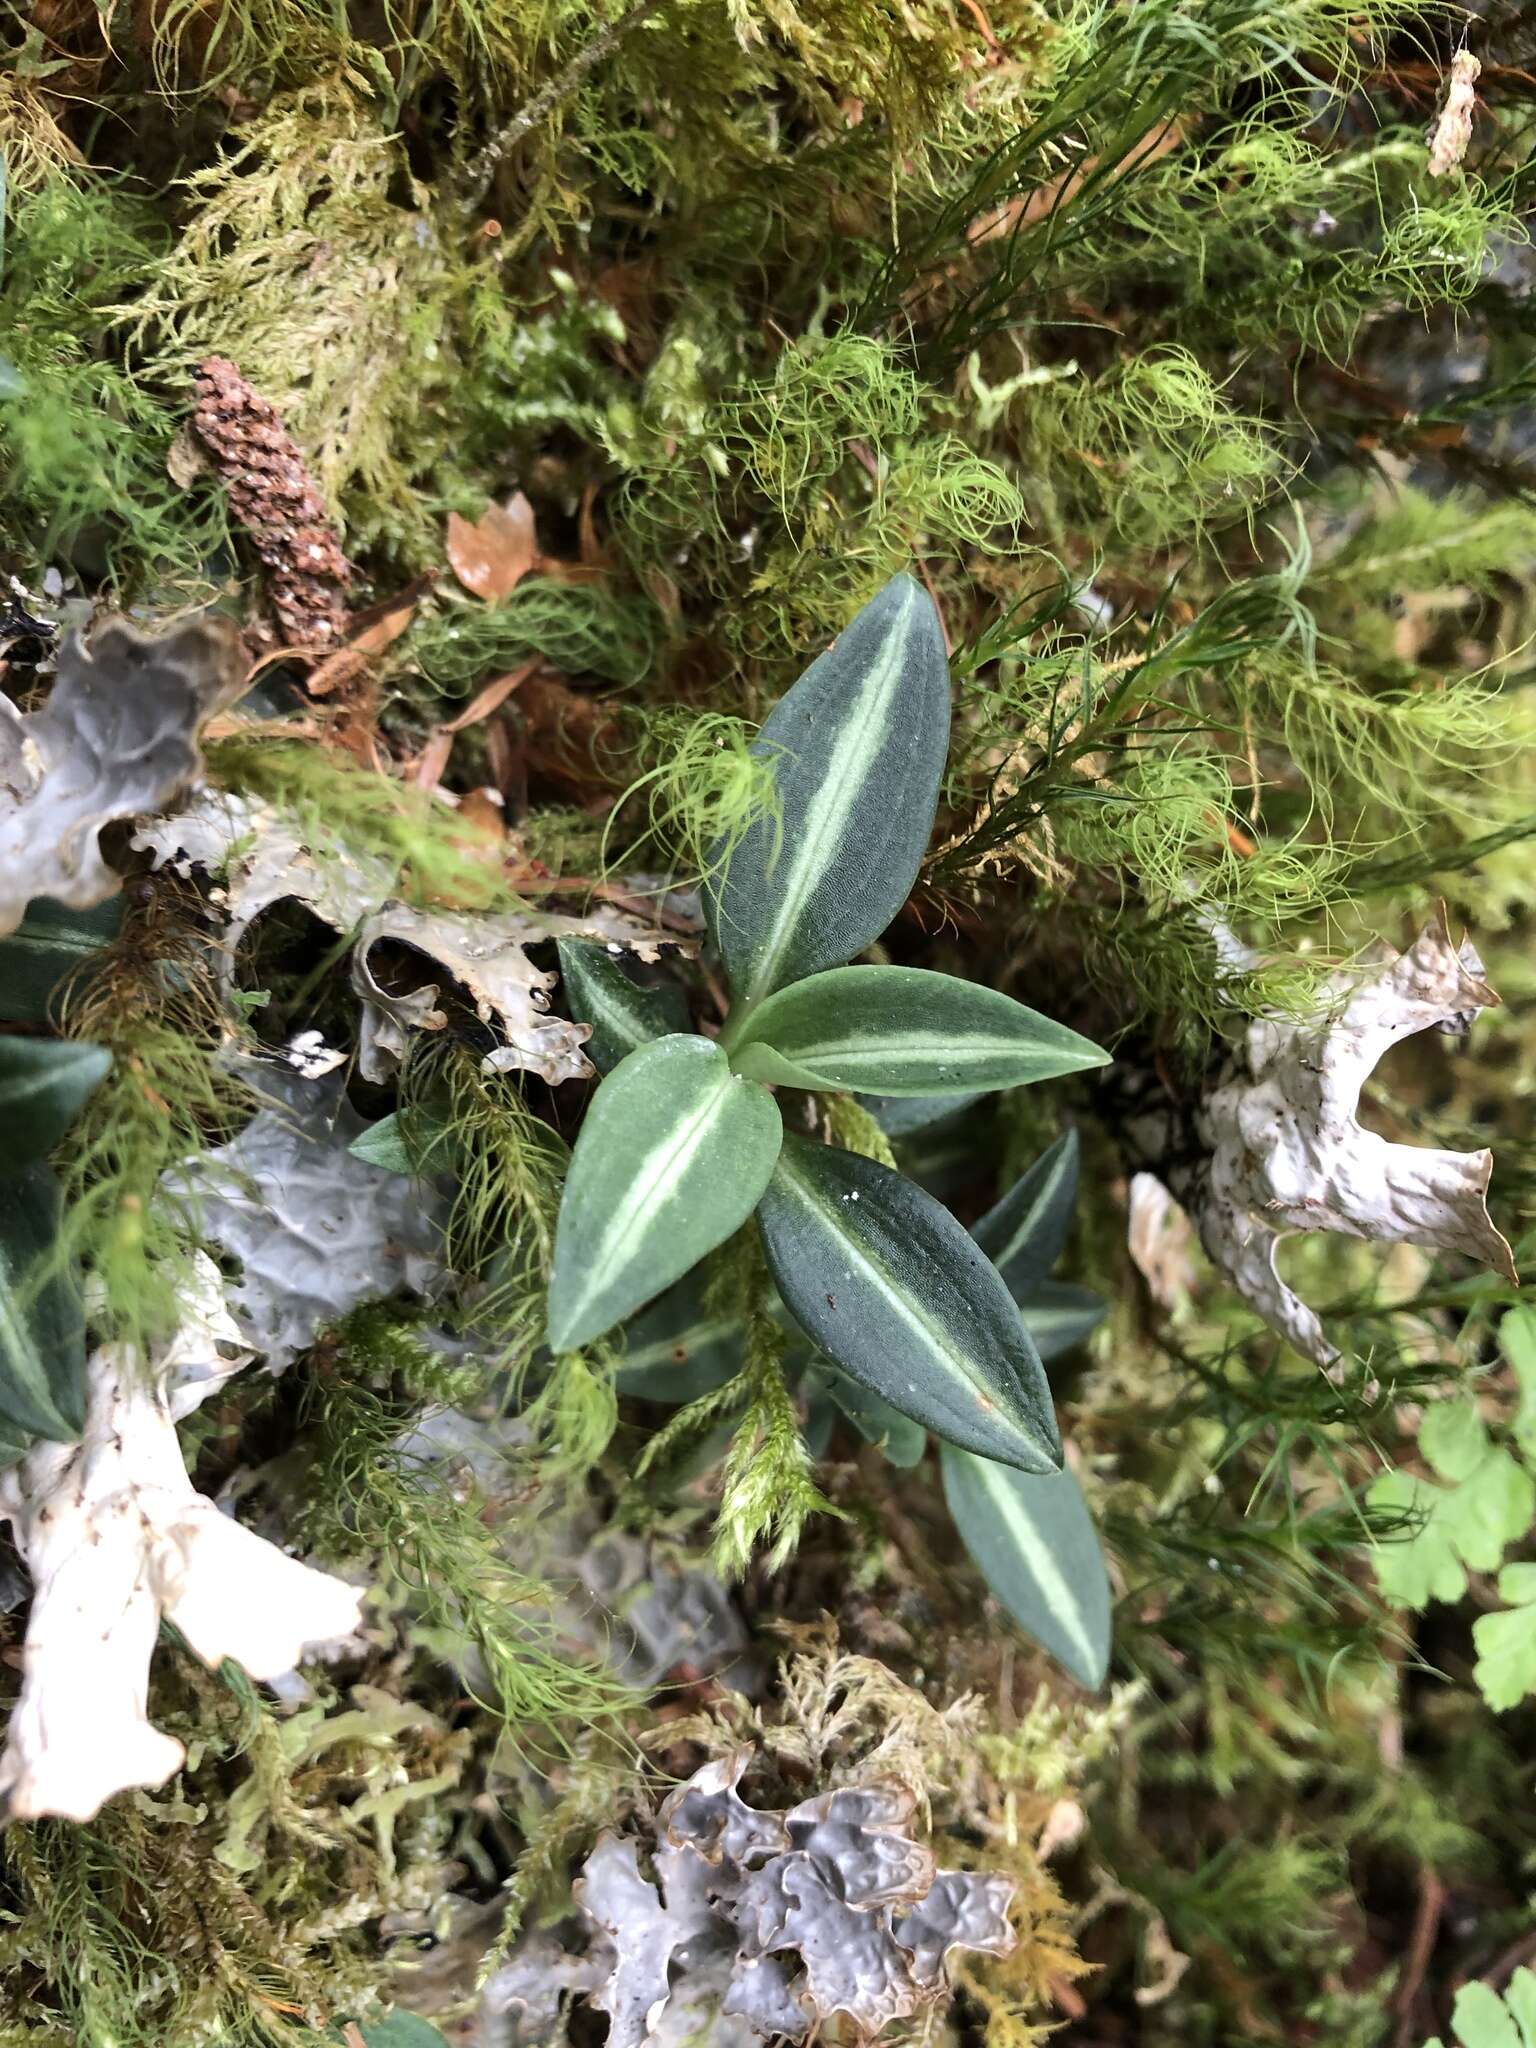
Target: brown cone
275, 500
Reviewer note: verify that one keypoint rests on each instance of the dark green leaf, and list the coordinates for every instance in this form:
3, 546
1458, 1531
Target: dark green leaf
45, 950
678, 1349
1058, 1316
623, 1015
890, 1286
903, 1031
672, 1157
821, 1413
1038, 1550
44, 1083
42, 1326
902, 1439
401, 2030
1024, 1234
858, 748
417, 1140
903, 1116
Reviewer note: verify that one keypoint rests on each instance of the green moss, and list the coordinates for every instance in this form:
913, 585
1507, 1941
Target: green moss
232, 1906
583, 629
370, 1495
150, 998
84, 442
803, 492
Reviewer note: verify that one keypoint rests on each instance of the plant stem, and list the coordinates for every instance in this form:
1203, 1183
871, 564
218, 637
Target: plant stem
484, 165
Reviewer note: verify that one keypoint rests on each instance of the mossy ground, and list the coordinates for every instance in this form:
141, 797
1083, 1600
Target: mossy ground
1145, 337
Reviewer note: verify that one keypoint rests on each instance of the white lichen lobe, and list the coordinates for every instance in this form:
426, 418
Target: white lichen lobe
1287, 1150
116, 1537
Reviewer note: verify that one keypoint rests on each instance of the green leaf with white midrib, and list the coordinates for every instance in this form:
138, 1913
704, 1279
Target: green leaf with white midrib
911, 1116
673, 1153
679, 1347
45, 950
42, 1325
1059, 1315
1025, 1233
44, 1084
857, 748
903, 1031
1034, 1541
623, 1015
889, 1285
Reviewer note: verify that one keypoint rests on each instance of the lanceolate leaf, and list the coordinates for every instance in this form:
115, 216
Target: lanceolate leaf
1037, 1548
673, 1155
46, 949
400, 2030
43, 1085
417, 1140
383, 1144
903, 1031
1058, 1316
679, 1348
857, 747
1023, 1235
902, 1439
904, 1116
892, 1288
623, 1015
42, 1328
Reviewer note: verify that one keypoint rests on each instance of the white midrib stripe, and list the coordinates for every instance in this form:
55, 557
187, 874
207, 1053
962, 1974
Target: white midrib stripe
1043, 1567
834, 798
661, 1349
1024, 1229
907, 1310
657, 1168
613, 1015
17, 1347
949, 1049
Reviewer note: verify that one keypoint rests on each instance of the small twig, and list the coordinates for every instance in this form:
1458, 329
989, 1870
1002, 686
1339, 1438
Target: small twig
485, 163
1499, 1972
922, 570
1426, 1925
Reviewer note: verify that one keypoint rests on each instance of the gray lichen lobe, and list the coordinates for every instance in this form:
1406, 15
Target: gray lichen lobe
116, 738
768, 1924
315, 1229
263, 858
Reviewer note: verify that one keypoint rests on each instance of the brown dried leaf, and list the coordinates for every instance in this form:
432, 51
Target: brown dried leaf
491, 556
186, 461
381, 625
483, 811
